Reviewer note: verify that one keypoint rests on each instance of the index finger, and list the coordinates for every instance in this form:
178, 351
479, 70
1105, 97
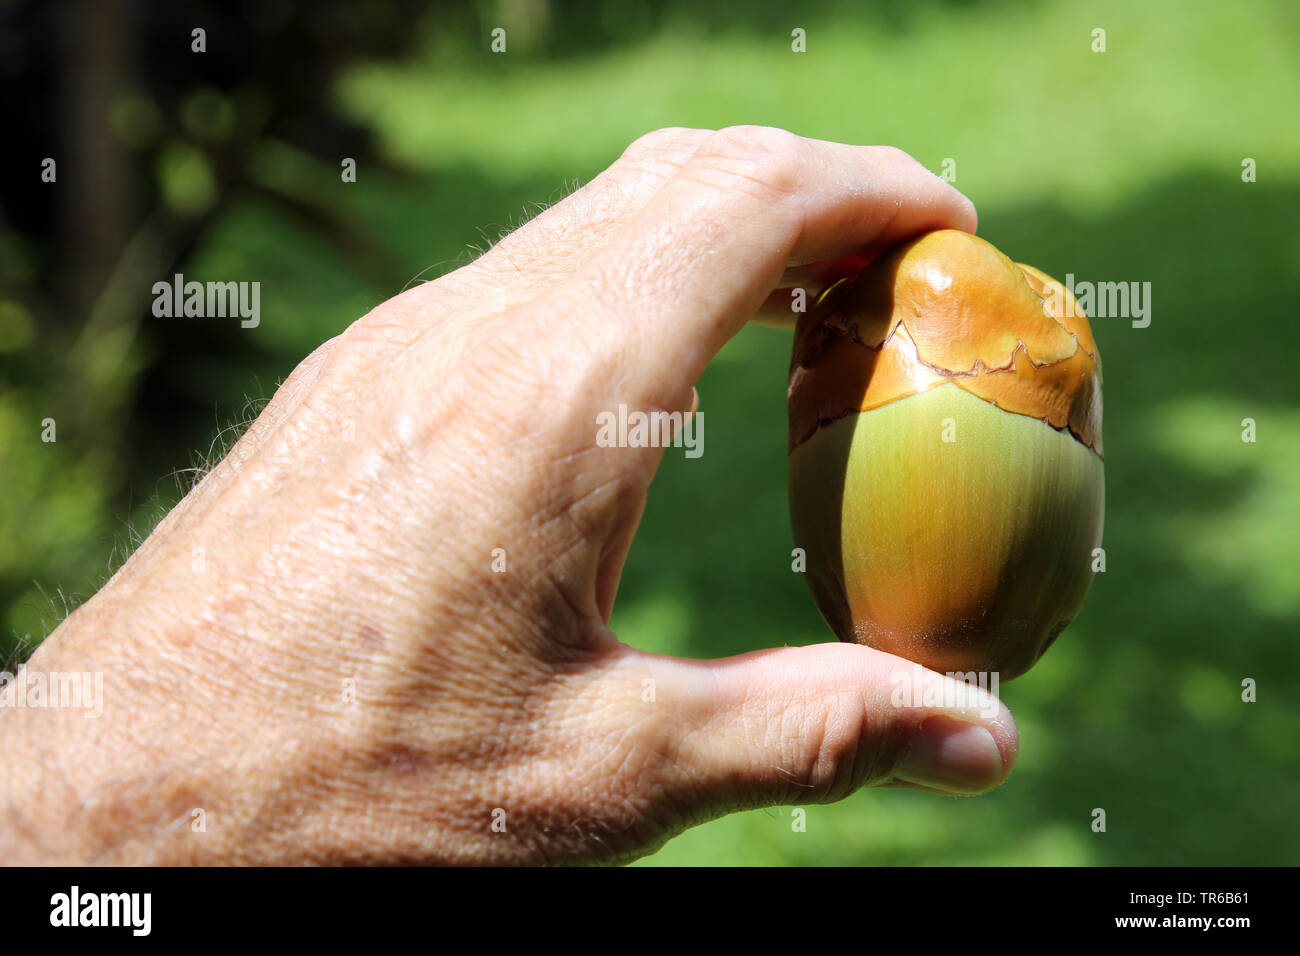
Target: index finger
678, 281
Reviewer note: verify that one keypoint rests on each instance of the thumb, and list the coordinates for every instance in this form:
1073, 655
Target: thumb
813, 724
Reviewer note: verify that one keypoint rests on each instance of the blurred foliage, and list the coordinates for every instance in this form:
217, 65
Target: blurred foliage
1123, 165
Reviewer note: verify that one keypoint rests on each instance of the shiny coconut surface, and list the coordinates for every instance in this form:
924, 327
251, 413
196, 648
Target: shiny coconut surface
946, 479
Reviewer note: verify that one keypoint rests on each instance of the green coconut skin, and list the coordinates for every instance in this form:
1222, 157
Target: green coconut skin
965, 555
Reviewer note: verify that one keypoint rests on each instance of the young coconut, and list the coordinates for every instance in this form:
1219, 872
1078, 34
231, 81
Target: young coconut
946, 477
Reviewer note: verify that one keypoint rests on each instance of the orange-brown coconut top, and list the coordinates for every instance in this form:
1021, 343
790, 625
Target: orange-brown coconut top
947, 307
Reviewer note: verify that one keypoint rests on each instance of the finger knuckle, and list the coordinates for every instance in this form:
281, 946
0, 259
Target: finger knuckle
658, 141
896, 156
306, 372
844, 753
761, 156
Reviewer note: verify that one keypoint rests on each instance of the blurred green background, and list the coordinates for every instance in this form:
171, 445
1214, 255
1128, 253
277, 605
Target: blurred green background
1122, 165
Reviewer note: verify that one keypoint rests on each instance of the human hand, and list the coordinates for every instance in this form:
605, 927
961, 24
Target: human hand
315, 650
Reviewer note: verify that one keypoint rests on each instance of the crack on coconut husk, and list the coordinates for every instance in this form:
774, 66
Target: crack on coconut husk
909, 339
1028, 274
837, 330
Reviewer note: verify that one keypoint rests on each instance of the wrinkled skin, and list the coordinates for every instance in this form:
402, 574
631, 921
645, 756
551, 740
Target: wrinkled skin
340, 676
